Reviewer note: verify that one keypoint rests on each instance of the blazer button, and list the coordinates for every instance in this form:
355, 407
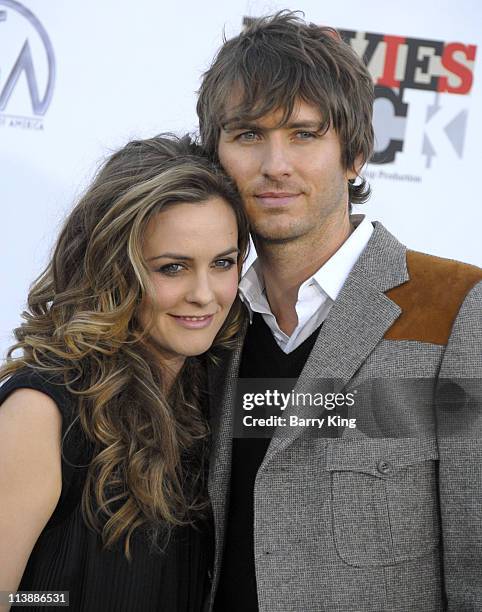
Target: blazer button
384, 467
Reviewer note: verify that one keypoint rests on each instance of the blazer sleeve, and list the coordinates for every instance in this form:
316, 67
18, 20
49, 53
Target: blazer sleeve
459, 434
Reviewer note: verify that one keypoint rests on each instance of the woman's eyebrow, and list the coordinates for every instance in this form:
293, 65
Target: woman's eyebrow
171, 256
228, 252
180, 257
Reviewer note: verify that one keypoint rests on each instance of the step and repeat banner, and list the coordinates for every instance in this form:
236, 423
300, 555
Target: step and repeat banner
78, 79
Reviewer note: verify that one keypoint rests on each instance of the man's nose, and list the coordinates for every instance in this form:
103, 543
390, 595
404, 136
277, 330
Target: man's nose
201, 290
276, 163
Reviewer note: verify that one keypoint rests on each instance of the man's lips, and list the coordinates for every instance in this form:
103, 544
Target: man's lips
273, 199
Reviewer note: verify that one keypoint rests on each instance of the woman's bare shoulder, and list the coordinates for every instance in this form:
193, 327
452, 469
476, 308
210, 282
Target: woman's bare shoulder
30, 478
30, 431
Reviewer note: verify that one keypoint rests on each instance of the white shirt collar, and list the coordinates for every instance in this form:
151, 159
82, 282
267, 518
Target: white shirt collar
330, 278
332, 275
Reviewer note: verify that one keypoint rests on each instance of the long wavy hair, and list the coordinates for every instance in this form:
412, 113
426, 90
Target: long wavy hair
81, 327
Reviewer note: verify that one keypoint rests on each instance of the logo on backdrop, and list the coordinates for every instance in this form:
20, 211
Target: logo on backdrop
422, 100
422, 92
27, 68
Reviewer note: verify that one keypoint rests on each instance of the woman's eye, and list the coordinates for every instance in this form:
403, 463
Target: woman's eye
171, 269
224, 264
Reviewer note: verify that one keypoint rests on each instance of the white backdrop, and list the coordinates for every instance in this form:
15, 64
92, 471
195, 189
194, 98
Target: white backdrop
121, 70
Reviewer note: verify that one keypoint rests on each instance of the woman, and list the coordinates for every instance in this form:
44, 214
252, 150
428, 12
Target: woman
103, 438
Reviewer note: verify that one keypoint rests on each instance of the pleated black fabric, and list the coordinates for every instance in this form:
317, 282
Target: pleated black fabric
69, 557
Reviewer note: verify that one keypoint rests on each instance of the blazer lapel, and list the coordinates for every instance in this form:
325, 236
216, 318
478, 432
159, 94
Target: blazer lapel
222, 381
357, 322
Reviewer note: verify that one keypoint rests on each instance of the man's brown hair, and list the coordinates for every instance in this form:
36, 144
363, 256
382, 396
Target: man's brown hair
278, 60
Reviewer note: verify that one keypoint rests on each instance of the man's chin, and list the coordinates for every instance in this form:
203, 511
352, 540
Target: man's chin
275, 236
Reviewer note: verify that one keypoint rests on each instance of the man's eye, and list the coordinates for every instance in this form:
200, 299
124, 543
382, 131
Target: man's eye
249, 136
224, 264
304, 135
171, 269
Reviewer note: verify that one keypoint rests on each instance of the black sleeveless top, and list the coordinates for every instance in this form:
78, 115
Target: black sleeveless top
69, 557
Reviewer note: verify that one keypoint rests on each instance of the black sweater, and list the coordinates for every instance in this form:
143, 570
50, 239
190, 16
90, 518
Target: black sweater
261, 358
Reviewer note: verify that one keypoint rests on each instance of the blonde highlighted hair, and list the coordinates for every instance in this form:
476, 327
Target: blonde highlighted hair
81, 326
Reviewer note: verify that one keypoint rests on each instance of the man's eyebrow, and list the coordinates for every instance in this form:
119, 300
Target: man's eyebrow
250, 124
179, 257
310, 125
239, 124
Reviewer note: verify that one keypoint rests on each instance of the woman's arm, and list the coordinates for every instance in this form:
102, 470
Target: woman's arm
30, 477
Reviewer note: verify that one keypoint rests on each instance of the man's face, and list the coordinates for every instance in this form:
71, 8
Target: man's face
290, 177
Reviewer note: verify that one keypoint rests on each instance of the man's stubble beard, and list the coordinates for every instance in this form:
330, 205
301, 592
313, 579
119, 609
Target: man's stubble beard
261, 234
311, 228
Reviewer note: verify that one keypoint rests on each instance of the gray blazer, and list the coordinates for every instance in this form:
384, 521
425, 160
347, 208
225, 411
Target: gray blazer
388, 516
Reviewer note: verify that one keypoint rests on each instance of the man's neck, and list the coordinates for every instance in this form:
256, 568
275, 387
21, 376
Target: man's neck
286, 266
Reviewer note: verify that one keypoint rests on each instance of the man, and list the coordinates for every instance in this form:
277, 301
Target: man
387, 516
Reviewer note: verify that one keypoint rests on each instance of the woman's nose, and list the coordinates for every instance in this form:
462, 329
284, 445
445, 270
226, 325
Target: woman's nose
201, 291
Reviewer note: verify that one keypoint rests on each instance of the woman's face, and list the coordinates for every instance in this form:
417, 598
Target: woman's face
191, 252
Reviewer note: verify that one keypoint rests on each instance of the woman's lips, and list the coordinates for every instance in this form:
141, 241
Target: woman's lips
193, 322
273, 199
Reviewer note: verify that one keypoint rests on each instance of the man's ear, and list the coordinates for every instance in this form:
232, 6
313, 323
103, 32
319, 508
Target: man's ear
354, 171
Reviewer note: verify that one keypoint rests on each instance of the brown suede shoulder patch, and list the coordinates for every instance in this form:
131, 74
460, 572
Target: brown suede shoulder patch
431, 298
